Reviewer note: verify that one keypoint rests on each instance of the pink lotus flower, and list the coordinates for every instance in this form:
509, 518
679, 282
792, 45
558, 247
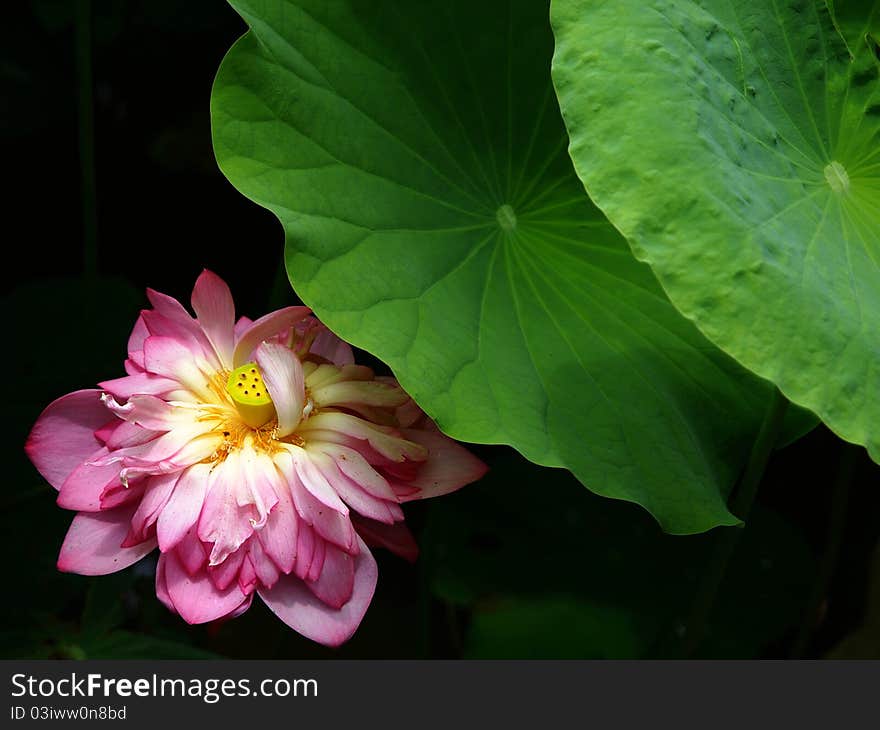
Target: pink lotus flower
256, 455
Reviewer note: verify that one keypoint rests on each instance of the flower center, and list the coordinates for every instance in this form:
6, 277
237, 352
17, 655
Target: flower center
248, 391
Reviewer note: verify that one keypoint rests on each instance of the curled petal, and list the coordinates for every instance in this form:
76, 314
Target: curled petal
129, 385
121, 435
357, 392
93, 543
383, 439
292, 601
64, 434
148, 411
263, 329
324, 374
283, 375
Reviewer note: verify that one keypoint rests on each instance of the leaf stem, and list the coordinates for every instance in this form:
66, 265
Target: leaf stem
86, 124
846, 469
741, 505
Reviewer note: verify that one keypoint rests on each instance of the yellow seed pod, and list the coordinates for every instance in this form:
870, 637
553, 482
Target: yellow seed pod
248, 391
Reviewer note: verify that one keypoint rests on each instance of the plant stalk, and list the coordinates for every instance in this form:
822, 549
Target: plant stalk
741, 505
846, 469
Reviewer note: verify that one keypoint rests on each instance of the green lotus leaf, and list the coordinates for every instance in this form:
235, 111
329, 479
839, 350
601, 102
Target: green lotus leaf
736, 145
416, 158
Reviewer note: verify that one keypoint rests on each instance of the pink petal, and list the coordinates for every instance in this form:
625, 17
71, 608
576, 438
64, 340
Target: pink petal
306, 546
224, 521
328, 523
241, 326
314, 481
247, 576
92, 544
171, 319
280, 533
171, 359
262, 482
83, 489
157, 492
124, 435
264, 328
191, 552
134, 365
64, 434
330, 347
264, 568
336, 583
184, 506
213, 305
352, 494
162, 586
364, 503
318, 556
195, 597
223, 575
126, 386
171, 451
148, 411
138, 334
449, 465
353, 465
397, 538
187, 333
115, 495
283, 374
299, 608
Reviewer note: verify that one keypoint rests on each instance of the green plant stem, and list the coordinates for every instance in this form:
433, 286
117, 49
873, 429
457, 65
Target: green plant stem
741, 505
86, 123
846, 468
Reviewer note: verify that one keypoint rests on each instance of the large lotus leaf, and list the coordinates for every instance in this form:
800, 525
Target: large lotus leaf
736, 144
415, 156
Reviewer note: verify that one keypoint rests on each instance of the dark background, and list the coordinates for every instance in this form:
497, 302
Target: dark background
526, 563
